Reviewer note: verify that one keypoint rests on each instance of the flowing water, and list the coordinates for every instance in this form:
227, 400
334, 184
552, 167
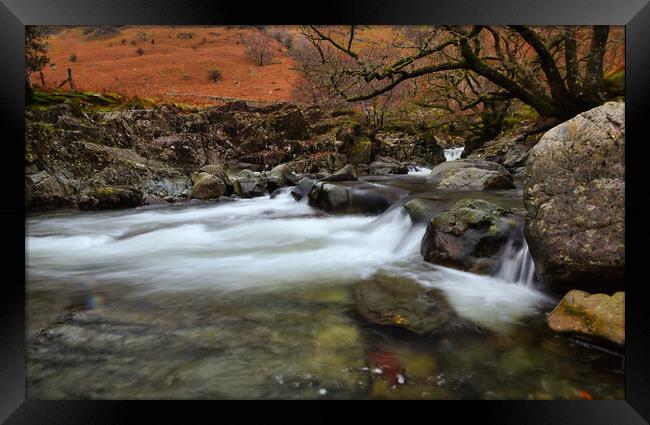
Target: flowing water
254, 299
453, 154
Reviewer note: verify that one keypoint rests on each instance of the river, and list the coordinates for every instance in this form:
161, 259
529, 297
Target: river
253, 299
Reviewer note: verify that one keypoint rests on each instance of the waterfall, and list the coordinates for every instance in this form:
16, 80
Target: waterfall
517, 265
453, 154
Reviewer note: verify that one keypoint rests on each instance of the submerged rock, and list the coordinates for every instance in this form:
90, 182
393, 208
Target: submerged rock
574, 193
403, 302
469, 235
597, 315
470, 175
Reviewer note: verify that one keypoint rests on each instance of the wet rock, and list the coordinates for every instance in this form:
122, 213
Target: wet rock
470, 175
302, 188
346, 173
154, 200
574, 193
598, 315
384, 166
421, 210
281, 176
353, 197
208, 186
249, 187
111, 198
469, 231
402, 302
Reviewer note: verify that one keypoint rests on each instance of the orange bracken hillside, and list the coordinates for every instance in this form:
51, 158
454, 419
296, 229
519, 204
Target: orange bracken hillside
173, 66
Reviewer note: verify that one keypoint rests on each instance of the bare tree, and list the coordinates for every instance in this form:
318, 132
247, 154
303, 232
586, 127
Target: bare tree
558, 71
259, 47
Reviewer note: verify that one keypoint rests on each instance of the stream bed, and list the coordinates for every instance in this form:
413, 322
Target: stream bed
254, 299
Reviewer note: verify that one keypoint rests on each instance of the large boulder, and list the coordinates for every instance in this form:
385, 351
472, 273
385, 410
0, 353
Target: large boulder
574, 193
470, 175
402, 302
469, 235
218, 171
353, 197
208, 186
598, 315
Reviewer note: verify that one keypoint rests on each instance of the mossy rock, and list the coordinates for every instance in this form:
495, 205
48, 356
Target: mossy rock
470, 235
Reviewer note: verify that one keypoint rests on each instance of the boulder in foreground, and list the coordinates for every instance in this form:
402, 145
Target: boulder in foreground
598, 315
574, 194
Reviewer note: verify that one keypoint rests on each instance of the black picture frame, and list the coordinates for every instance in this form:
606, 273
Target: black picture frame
14, 14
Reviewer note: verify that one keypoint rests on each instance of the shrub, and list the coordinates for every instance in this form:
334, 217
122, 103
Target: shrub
214, 75
73, 57
140, 51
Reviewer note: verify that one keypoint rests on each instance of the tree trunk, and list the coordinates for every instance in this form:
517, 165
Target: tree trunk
29, 89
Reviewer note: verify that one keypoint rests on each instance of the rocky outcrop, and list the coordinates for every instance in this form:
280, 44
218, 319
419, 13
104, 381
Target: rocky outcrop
510, 151
111, 198
574, 193
402, 302
598, 315
469, 235
353, 197
470, 175
404, 146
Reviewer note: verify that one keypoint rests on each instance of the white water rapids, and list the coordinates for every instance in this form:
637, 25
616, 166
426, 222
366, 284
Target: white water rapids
254, 244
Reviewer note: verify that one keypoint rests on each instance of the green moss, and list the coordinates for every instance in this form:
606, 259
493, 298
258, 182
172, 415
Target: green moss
615, 83
107, 191
48, 98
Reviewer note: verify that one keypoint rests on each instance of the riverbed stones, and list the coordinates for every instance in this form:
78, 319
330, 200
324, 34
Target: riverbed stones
470, 175
403, 302
208, 186
469, 235
574, 193
598, 315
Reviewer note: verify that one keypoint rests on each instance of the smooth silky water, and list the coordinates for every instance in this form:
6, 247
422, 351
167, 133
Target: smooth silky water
254, 299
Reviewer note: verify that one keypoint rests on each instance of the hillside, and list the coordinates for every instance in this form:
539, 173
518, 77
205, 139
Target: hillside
175, 64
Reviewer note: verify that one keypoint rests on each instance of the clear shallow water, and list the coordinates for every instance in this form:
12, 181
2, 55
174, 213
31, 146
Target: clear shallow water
253, 299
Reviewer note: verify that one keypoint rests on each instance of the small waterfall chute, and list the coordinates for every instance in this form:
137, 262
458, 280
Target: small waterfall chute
453, 154
517, 264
